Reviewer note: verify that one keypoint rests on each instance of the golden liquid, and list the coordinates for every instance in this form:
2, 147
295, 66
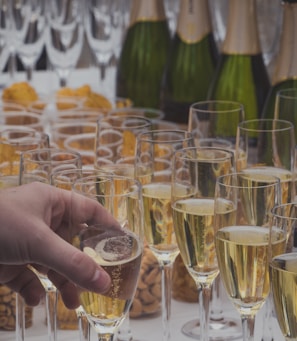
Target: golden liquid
283, 272
112, 306
243, 257
194, 228
284, 175
158, 222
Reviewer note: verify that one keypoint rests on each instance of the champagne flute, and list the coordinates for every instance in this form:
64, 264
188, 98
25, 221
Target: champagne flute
286, 106
30, 23
38, 165
210, 119
269, 146
207, 122
115, 151
117, 249
193, 182
65, 179
283, 274
64, 36
104, 27
154, 151
244, 241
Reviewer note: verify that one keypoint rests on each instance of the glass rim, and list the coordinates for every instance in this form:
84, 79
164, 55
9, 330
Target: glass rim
290, 93
281, 206
145, 136
270, 182
183, 155
253, 125
235, 106
146, 123
25, 155
132, 183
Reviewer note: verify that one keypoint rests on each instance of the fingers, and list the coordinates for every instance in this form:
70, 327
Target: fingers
23, 281
71, 263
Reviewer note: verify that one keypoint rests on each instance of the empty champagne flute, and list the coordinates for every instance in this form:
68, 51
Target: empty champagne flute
193, 187
244, 240
117, 249
104, 27
154, 151
64, 36
29, 18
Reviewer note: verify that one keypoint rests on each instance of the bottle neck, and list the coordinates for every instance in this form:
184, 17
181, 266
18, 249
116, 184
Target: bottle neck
286, 60
147, 10
193, 21
242, 36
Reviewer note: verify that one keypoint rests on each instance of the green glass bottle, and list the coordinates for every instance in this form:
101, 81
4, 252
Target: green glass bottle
241, 74
284, 75
144, 54
191, 63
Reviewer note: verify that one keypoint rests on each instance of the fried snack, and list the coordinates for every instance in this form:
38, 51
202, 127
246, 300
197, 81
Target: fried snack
21, 93
90, 99
147, 299
8, 310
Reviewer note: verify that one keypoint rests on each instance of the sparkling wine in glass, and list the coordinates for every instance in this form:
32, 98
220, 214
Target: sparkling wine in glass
195, 171
245, 242
154, 151
117, 249
207, 120
283, 274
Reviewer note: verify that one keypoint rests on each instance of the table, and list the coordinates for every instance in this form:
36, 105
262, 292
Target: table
144, 329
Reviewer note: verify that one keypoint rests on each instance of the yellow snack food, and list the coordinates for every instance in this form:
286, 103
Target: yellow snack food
90, 99
20, 93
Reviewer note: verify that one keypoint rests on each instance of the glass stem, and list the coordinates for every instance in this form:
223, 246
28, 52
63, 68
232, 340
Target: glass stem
83, 325
29, 73
51, 299
216, 312
248, 327
124, 332
20, 318
166, 299
267, 327
204, 294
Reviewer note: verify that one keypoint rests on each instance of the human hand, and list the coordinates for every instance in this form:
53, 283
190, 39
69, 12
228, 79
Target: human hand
34, 221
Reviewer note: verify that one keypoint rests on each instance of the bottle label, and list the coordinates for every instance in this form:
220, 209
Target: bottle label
147, 10
242, 36
194, 21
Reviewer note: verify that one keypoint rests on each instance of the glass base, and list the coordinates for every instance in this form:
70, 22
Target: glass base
224, 329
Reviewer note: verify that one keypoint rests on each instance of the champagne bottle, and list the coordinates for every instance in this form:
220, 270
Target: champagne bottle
144, 54
241, 74
191, 62
284, 74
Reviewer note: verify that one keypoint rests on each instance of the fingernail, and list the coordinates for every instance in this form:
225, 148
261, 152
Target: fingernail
102, 280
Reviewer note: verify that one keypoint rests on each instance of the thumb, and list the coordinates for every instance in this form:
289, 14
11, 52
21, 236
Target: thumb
73, 264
